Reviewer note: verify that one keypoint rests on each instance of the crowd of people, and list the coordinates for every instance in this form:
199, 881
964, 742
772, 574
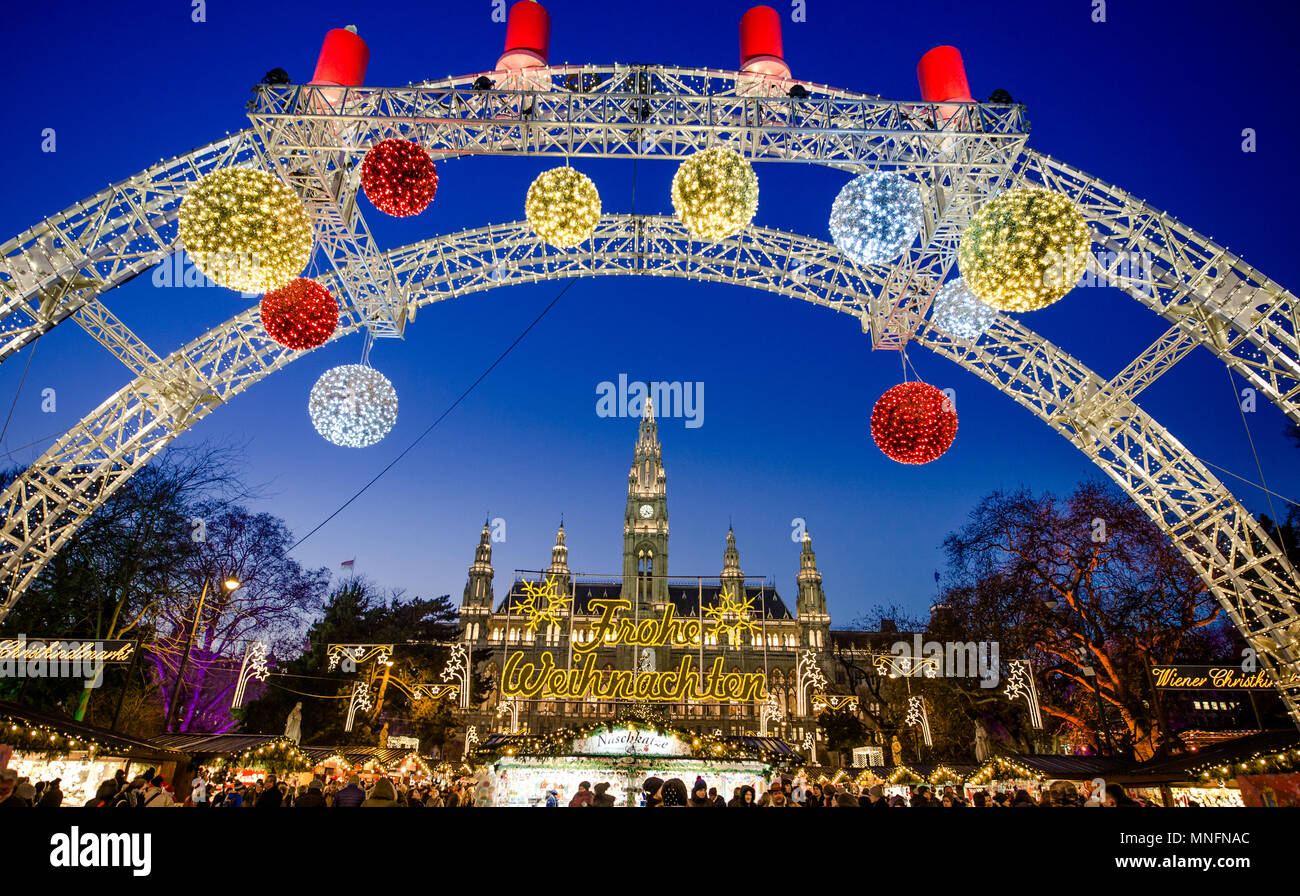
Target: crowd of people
149, 790
794, 793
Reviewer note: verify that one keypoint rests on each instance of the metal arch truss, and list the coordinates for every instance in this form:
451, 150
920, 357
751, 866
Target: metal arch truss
958, 154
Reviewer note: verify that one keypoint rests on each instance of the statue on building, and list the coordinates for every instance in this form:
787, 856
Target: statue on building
293, 724
981, 741
383, 736
896, 749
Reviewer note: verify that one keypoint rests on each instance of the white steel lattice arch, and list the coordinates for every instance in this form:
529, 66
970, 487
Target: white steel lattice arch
1213, 531
314, 136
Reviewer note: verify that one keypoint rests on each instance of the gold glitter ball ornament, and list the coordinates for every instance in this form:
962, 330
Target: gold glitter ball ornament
563, 207
715, 193
1025, 249
245, 229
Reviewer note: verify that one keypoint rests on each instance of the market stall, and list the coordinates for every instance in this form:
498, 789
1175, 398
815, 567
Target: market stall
239, 757
338, 763
525, 767
1260, 769
43, 746
1034, 773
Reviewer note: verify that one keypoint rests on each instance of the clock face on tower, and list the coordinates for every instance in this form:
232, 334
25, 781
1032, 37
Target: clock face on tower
647, 511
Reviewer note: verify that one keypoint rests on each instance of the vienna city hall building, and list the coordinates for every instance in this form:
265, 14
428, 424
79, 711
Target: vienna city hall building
711, 654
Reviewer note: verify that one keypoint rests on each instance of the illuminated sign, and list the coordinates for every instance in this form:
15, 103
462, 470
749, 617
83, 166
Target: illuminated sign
23, 650
543, 678
1212, 678
625, 742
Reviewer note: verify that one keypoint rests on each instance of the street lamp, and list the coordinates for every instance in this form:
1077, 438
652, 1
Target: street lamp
230, 584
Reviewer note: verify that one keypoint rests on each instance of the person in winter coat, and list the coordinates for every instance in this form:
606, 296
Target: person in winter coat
652, 789
314, 798
552, 799
746, 797
9, 798
351, 796
383, 796
52, 797
103, 797
154, 796
583, 797
602, 799
270, 797
674, 793
700, 795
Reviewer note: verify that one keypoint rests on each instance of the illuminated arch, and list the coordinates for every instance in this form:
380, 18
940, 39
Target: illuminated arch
57, 270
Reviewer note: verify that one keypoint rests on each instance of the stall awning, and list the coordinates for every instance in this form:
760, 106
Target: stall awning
35, 727
1266, 750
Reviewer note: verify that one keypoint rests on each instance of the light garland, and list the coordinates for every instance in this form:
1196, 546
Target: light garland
353, 406
280, 754
913, 423
554, 743
563, 207
875, 216
399, 178
302, 315
245, 229
959, 312
1024, 249
715, 193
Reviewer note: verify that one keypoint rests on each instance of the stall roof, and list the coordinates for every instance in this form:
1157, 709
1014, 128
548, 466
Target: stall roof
201, 744
1050, 766
111, 743
1189, 766
385, 756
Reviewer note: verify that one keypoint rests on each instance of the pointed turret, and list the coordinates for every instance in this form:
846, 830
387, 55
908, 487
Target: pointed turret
731, 574
559, 567
810, 606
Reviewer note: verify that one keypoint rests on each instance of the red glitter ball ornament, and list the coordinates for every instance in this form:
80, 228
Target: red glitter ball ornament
300, 315
399, 178
913, 423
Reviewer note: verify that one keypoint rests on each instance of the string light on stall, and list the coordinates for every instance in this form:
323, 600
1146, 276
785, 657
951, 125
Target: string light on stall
875, 217
959, 312
1024, 249
245, 229
715, 193
399, 178
913, 423
563, 207
301, 315
353, 405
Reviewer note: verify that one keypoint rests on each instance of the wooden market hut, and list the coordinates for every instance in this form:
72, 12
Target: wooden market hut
44, 745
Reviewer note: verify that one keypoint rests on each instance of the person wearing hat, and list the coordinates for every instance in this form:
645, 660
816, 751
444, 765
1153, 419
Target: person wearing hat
674, 793
603, 800
700, 795
314, 797
582, 799
552, 799
876, 798
652, 792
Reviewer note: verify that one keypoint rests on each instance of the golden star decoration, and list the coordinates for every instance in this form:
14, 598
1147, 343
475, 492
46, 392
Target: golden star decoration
543, 603
732, 615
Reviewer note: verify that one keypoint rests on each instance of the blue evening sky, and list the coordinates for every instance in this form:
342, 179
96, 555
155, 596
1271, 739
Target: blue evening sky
1155, 100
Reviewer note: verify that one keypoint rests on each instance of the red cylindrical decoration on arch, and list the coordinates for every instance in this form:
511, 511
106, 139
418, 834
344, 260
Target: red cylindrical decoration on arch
914, 423
760, 42
528, 36
343, 59
943, 77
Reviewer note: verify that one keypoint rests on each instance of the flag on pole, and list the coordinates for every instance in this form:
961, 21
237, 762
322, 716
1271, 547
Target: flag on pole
347, 564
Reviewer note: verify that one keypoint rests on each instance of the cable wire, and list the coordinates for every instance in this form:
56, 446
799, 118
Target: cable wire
441, 416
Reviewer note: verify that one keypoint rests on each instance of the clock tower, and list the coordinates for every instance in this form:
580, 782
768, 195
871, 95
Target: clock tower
645, 525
